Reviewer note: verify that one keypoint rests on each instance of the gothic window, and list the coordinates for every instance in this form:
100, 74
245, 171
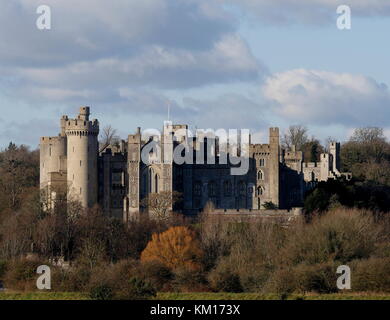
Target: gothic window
198, 189
211, 189
150, 180
227, 188
260, 175
242, 188
260, 191
262, 162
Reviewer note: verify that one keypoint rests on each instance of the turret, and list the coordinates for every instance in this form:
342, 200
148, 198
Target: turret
274, 165
334, 150
82, 154
132, 200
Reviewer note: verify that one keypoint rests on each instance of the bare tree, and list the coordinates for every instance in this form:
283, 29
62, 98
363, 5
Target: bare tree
368, 135
373, 141
108, 137
295, 135
160, 204
19, 172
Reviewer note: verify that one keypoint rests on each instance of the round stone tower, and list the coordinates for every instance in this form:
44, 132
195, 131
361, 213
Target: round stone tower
82, 154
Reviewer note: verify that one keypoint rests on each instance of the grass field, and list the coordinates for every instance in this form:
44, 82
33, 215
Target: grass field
196, 296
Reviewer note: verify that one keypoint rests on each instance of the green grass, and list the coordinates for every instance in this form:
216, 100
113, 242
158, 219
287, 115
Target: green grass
257, 296
197, 296
43, 296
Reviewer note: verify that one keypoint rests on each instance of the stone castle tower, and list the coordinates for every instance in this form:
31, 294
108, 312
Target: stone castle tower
70, 160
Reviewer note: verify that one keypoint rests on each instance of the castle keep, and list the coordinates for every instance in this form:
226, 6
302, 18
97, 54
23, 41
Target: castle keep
118, 177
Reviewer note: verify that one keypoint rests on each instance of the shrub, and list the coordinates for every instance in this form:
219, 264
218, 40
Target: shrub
222, 279
158, 274
281, 282
371, 275
21, 274
341, 235
76, 278
320, 278
135, 289
187, 280
101, 292
123, 280
3, 268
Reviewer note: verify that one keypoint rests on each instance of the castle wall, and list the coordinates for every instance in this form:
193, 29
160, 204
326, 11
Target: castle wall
112, 182
324, 166
120, 180
52, 157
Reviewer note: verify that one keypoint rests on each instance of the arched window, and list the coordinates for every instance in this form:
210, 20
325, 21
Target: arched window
227, 188
211, 189
260, 175
198, 189
260, 191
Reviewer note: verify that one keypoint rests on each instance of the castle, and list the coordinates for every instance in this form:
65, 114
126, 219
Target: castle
120, 176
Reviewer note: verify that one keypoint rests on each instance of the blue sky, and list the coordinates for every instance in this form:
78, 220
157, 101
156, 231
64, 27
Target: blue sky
220, 63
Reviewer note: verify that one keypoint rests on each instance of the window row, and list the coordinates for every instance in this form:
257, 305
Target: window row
212, 189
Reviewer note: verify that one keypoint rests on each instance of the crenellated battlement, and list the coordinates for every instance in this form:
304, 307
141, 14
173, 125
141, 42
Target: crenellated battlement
274, 131
81, 127
49, 140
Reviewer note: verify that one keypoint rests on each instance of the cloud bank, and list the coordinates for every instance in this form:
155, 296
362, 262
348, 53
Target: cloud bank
320, 97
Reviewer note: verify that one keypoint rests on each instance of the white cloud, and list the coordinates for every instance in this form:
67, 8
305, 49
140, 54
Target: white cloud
230, 59
320, 97
97, 46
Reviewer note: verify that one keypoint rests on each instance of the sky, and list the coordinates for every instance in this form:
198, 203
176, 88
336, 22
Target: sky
217, 63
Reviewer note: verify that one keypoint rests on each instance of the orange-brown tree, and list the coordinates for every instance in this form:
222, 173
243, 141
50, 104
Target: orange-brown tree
178, 247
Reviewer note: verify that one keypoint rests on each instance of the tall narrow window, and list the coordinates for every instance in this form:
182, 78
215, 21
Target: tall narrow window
150, 180
262, 162
227, 188
156, 183
260, 175
211, 189
198, 189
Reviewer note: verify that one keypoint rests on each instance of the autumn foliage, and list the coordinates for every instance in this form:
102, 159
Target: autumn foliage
176, 248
